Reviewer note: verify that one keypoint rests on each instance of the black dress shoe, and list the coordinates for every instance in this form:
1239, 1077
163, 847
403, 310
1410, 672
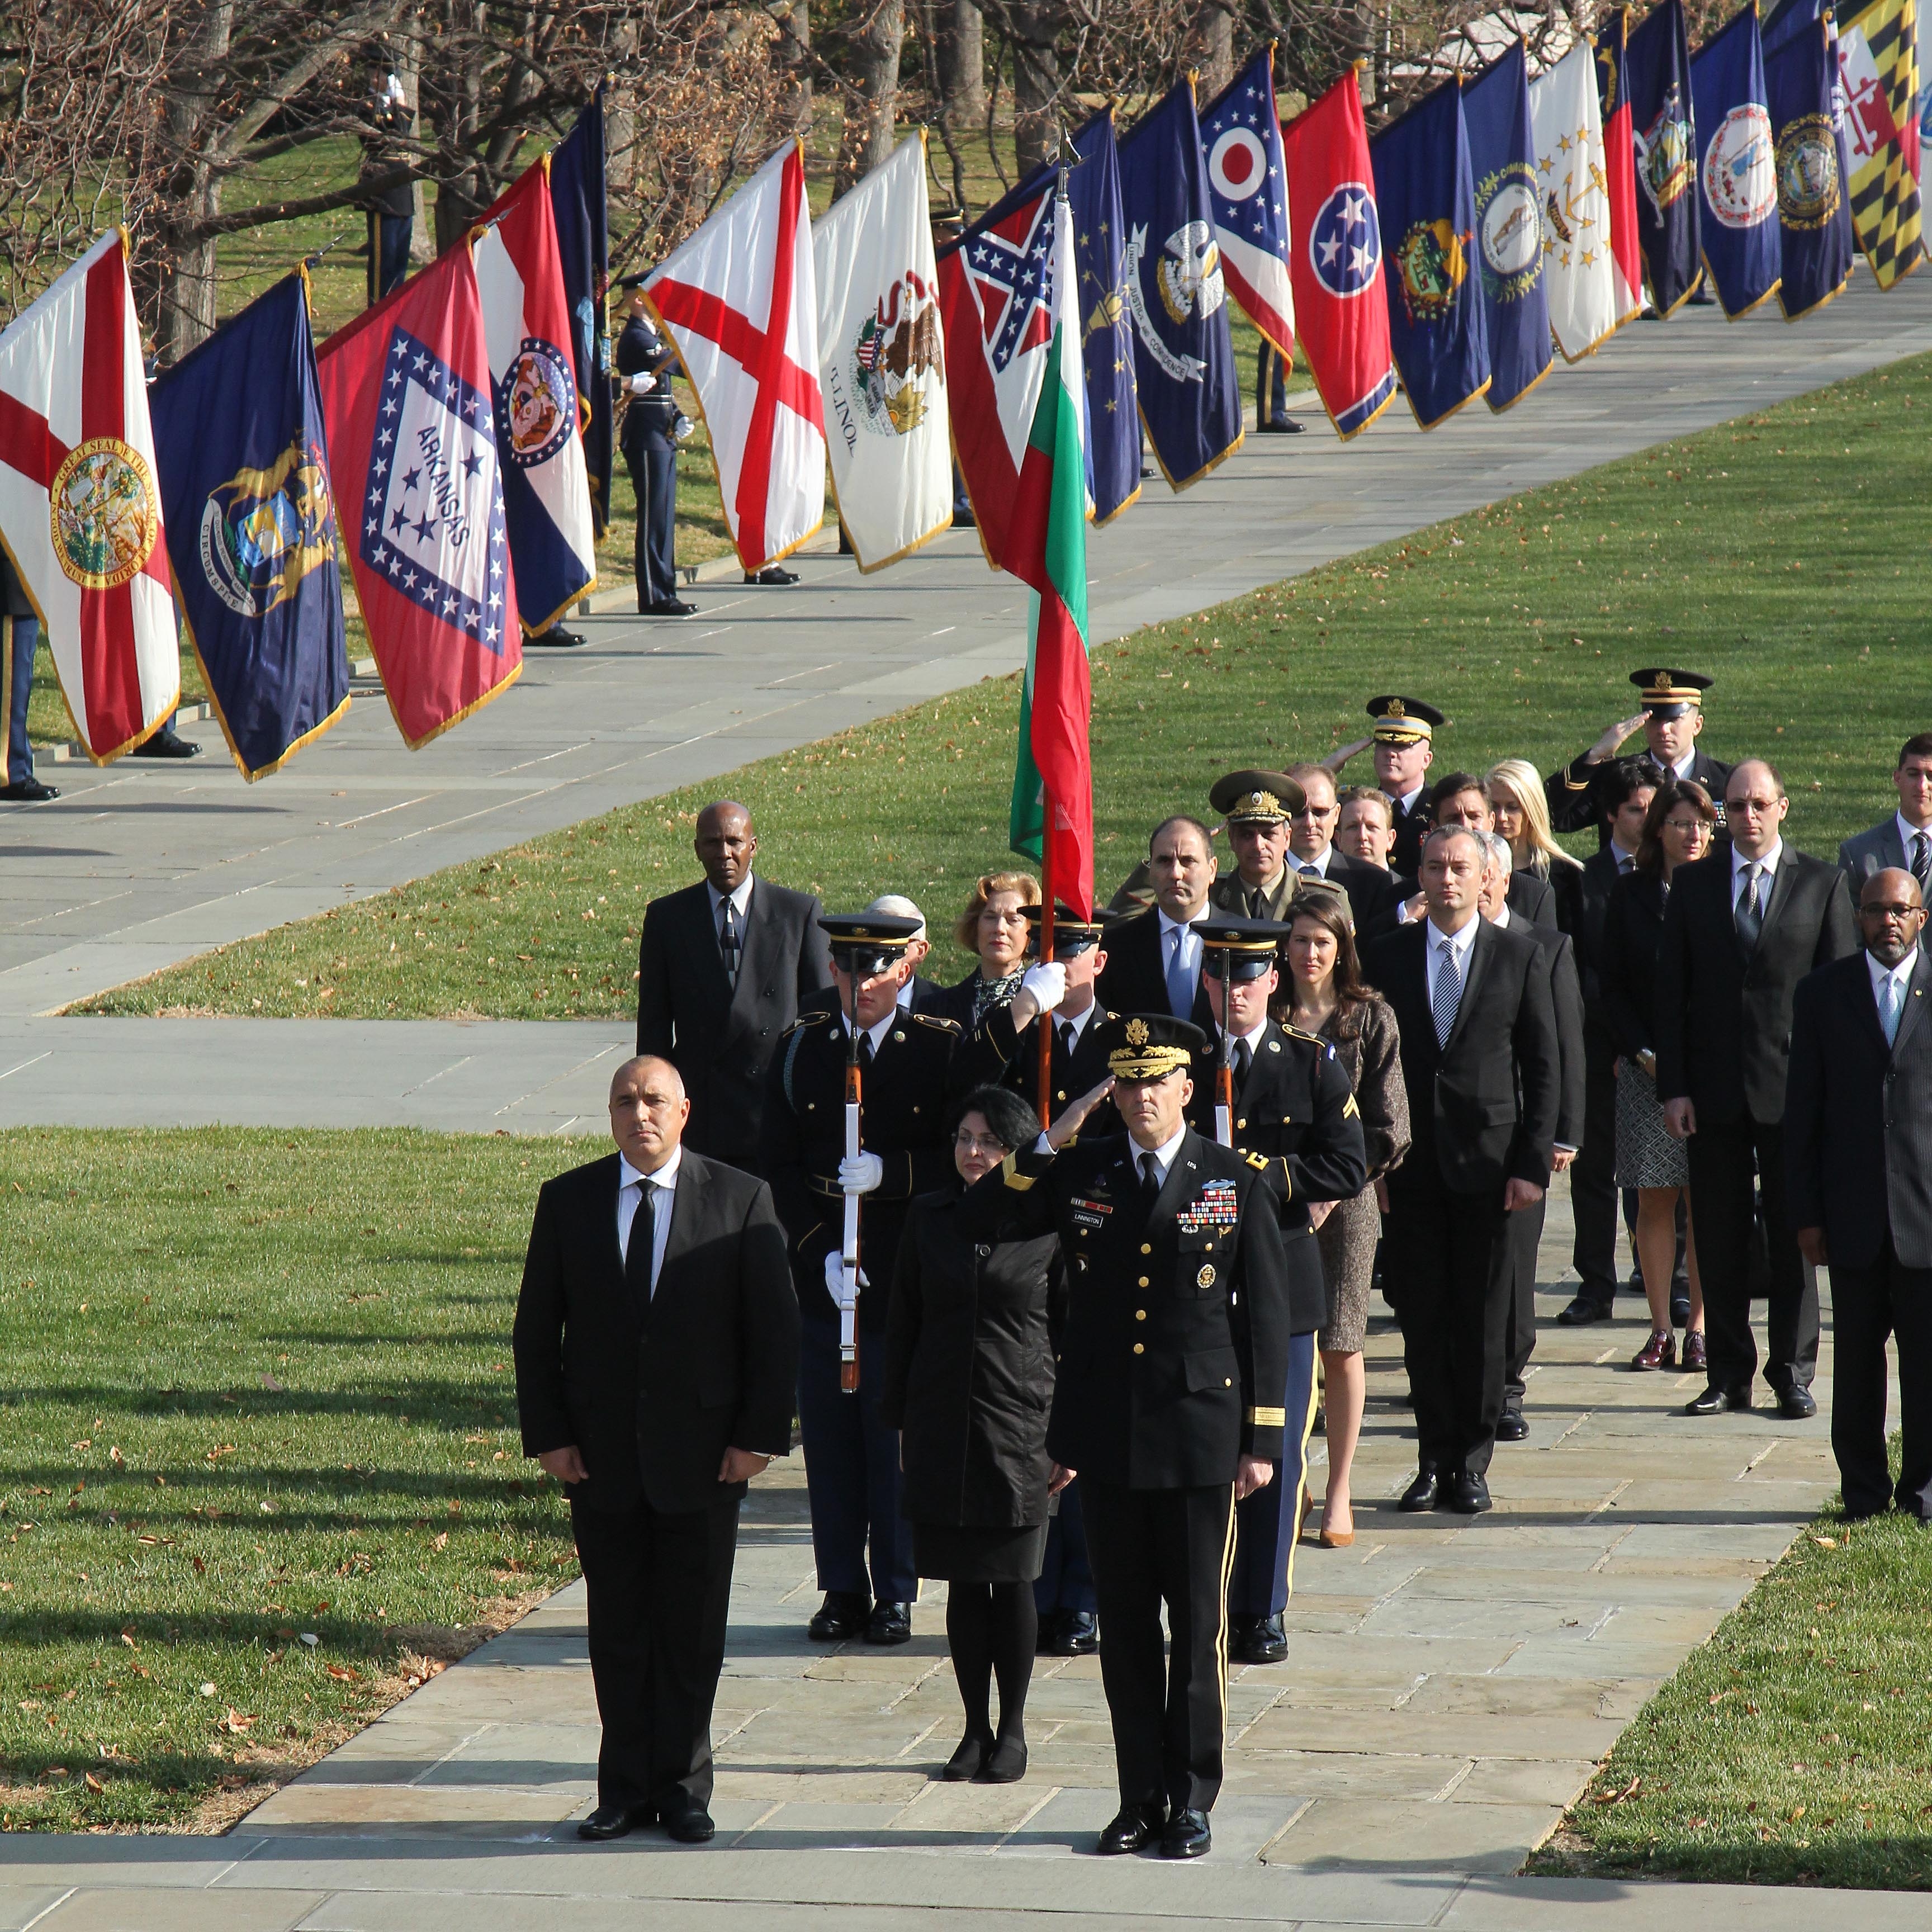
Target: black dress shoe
688, 1821
842, 1615
1078, 1635
1046, 1633
166, 743
28, 791
1680, 1311
1796, 1404
1263, 1642
1713, 1399
1467, 1495
1132, 1830
1420, 1494
555, 638
1280, 426
891, 1623
1510, 1426
613, 1821
772, 574
671, 607
1582, 1313
1186, 1836
965, 1761
1005, 1762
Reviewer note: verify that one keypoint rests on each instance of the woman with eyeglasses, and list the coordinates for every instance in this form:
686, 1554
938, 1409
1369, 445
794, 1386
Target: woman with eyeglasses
994, 925
967, 1379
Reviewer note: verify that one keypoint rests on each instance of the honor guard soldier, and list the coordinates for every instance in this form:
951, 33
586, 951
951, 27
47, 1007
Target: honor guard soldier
646, 363
1292, 1115
1404, 740
1671, 718
903, 1061
1166, 1403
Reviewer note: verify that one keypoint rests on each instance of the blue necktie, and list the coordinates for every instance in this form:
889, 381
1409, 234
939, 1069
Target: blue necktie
1887, 1008
1180, 981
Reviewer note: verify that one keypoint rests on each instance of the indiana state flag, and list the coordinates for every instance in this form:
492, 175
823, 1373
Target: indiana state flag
1190, 396
1657, 80
1737, 177
250, 524
1426, 192
1509, 226
1106, 335
1814, 218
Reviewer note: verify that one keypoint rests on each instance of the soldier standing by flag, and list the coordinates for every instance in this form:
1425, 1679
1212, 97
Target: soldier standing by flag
648, 439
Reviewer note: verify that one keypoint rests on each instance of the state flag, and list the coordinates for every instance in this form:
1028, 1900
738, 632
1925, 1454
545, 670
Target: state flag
1656, 67
1737, 176
579, 199
1579, 268
1509, 226
1619, 164
1106, 336
1247, 188
80, 505
1878, 68
1816, 247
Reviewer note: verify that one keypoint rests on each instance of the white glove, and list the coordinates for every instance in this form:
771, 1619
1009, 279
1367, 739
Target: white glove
835, 1275
643, 382
1047, 983
860, 1173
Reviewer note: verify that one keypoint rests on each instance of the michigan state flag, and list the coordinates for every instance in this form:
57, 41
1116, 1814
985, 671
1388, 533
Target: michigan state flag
1878, 68
1426, 193
1814, 218
1657, 78
1737, 179
1509, 226
251, 522
1190, 395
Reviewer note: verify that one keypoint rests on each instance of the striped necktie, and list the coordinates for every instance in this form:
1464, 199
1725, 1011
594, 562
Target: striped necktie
1448, 994
727, 940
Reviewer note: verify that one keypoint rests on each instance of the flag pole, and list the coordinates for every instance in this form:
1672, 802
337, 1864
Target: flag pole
1044, 1021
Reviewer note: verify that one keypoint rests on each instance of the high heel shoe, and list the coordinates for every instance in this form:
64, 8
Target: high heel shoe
968, 1760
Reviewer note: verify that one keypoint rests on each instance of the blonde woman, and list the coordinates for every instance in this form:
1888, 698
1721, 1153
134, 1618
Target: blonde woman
994, 925
1514, 789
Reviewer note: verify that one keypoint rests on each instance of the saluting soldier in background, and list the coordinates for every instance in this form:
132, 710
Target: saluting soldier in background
1404, 740
645, 364
1672, 716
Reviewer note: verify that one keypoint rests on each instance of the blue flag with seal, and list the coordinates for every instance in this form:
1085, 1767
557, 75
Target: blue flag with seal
243, 460
1176, 300
1737, 180
577, 189
1509, 226
1814, 216
1425, 195
1656, 81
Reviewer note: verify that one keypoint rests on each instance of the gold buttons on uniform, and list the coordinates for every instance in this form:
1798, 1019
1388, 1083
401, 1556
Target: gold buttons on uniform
1140, 1347
1143, 1281
1140, 1314
1227, 1382
1146, 1249
1240, 1123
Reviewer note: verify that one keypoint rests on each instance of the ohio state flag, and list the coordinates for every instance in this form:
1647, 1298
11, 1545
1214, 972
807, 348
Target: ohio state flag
80, 507
1247, 182
412, 455
740, 303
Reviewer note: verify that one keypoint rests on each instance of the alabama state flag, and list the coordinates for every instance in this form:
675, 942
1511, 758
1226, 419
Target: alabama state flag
412, 455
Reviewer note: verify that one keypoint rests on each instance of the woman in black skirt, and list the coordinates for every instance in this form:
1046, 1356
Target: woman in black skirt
968, 1380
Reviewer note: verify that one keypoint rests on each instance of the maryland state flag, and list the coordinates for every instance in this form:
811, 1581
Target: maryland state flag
1509, 226
579, 199
1878, 69
412, 455
1426, 193
251, 528
1619, 164
1737, 177
1657, 70
1816, 248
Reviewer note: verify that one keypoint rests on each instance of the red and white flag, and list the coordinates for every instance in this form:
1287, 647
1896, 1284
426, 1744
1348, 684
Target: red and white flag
740, 303
80, 509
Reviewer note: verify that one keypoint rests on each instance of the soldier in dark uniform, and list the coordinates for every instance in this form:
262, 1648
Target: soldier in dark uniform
851, 1458
1165, 1405
1256, 807
1404, 738
1294, 1117
1671, 719
649, 443
19, 639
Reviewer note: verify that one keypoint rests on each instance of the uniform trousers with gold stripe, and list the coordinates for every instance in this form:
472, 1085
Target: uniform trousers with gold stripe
1170, 1712
1267, 1523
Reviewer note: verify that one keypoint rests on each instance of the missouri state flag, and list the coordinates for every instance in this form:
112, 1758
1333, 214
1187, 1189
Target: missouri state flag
1814, 218
1737, 176
579, 200
1247, 187
252, 530
1509, 226
527, 331
1341, 304
406, 396
1878, 68
1656, 63
1610, 46
80, 504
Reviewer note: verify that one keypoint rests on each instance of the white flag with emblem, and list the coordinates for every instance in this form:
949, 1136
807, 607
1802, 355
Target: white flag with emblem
1578, 270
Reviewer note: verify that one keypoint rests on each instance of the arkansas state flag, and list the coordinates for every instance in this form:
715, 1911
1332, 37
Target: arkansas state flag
1619, 164
526, 331
1341, 301
740, 303
1247, 187
80, 507
412, 455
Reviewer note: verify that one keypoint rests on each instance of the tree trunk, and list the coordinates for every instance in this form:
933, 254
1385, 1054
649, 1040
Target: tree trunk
408, 71
959, 46
187, 290
1211, 44
1036, 115
870, 109
791, 55
620, 115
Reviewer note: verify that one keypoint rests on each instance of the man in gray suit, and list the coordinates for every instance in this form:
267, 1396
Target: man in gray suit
1904, 840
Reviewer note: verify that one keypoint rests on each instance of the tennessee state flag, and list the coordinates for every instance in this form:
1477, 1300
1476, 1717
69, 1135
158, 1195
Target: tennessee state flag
1341, 299
412, 456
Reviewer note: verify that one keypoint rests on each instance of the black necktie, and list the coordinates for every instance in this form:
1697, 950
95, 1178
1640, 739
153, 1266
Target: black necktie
1921, 864
1066, 1038
727, 941
865, 1049
1244, 1057
1257, 904
1751, 911
1149, 1180
637, 1251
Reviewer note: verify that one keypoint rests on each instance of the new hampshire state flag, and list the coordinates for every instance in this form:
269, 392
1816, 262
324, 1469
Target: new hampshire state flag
1657, 79
251, 519
1509, 226
1815, 246
1737, 178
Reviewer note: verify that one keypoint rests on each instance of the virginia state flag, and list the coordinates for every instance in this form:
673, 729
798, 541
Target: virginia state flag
1619, 163
526, 329
1737, 177
1878, 68
412, 455
1509, 226
1340, 305
1814, 218
251, 528
1247, 187
1656, 63
579, 199
1190, 394
1425, 193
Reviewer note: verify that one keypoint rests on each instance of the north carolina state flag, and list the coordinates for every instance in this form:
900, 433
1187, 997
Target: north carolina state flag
1619, 164
80, 506
412, 455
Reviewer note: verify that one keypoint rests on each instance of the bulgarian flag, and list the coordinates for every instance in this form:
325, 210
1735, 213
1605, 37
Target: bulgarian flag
1052, 816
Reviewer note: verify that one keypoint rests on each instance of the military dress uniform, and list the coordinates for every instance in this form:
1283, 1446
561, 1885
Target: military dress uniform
1406, 721
1241, 798
1574, 795
649, 444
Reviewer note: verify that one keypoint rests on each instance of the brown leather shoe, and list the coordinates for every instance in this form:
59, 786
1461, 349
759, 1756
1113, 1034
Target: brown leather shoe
1659, 1352
1694, 1356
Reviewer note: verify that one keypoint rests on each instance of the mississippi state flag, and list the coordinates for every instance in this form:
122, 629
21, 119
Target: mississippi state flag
527, 331
740, 303
80, 507
1341, 301
412, 455
1247, 187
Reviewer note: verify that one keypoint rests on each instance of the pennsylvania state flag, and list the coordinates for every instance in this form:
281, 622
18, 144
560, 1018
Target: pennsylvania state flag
250, 525
1878, 68
1814, 218
1190, 395
1737, 178
1509, 226
1425, 192
1657, 81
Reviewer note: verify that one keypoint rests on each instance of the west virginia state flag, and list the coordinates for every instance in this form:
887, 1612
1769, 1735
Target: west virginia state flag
1815, 244
251, 528
1657, 69
1509, 226
1878, 67
1737, 176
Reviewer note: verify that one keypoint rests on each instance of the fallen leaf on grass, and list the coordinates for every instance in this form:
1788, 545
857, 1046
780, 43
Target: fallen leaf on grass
92, 1783
1696, 1824
1825, 1542
1796, 1812
342, 1673
1618, 1797
234, 1723
200, 1567
1718, 1697
442, 1542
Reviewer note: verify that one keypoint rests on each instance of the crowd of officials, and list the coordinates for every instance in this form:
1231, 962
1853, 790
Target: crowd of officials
1092, 1336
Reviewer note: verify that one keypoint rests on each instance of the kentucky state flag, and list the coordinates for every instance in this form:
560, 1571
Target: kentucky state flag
1737, 179
1425, 195
1509, 226
1657, 75
1878, 68
1190, 394
1247, 187
251, 519
412, 455
578, 200
1814, 218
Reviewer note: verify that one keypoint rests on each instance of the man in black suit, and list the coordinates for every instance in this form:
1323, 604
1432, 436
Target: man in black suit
1858, 1139
1741, 928
1404, 738
1671, 716
722, 967
1256, 807
656, 1346
1904, 839
1312, 852
1154, 958
1481, 1062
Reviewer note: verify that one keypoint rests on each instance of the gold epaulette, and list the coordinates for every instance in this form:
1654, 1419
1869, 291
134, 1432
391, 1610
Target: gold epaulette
1297, 1032
805, 1020
1258, 1162
941, 1024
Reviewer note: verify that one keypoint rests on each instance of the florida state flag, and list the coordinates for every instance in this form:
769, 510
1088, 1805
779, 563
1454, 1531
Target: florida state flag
412, 455
80, 509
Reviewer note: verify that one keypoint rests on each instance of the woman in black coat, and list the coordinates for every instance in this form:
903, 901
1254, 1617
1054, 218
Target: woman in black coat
967, 1381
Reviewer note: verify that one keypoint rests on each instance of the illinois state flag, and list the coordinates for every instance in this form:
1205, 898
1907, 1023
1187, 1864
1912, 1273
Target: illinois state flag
1579, 268
1737, 178
80, 506
740, 303
1247, 187
539, 442
412, 455
1341, 302
1619, 163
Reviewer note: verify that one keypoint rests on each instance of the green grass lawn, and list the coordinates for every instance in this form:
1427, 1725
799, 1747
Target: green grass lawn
259, 1464
1782, 553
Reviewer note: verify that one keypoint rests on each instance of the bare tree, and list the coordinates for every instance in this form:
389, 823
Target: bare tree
872, 45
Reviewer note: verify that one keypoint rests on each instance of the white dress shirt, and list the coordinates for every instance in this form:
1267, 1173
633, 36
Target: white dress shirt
1462, 944
1405, 805
1625, 860
1767, 875
1501, 919
1253, 1038
1319, 867
663, 1185
1684, 767
741, 900
1078, 1021
1900, 976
